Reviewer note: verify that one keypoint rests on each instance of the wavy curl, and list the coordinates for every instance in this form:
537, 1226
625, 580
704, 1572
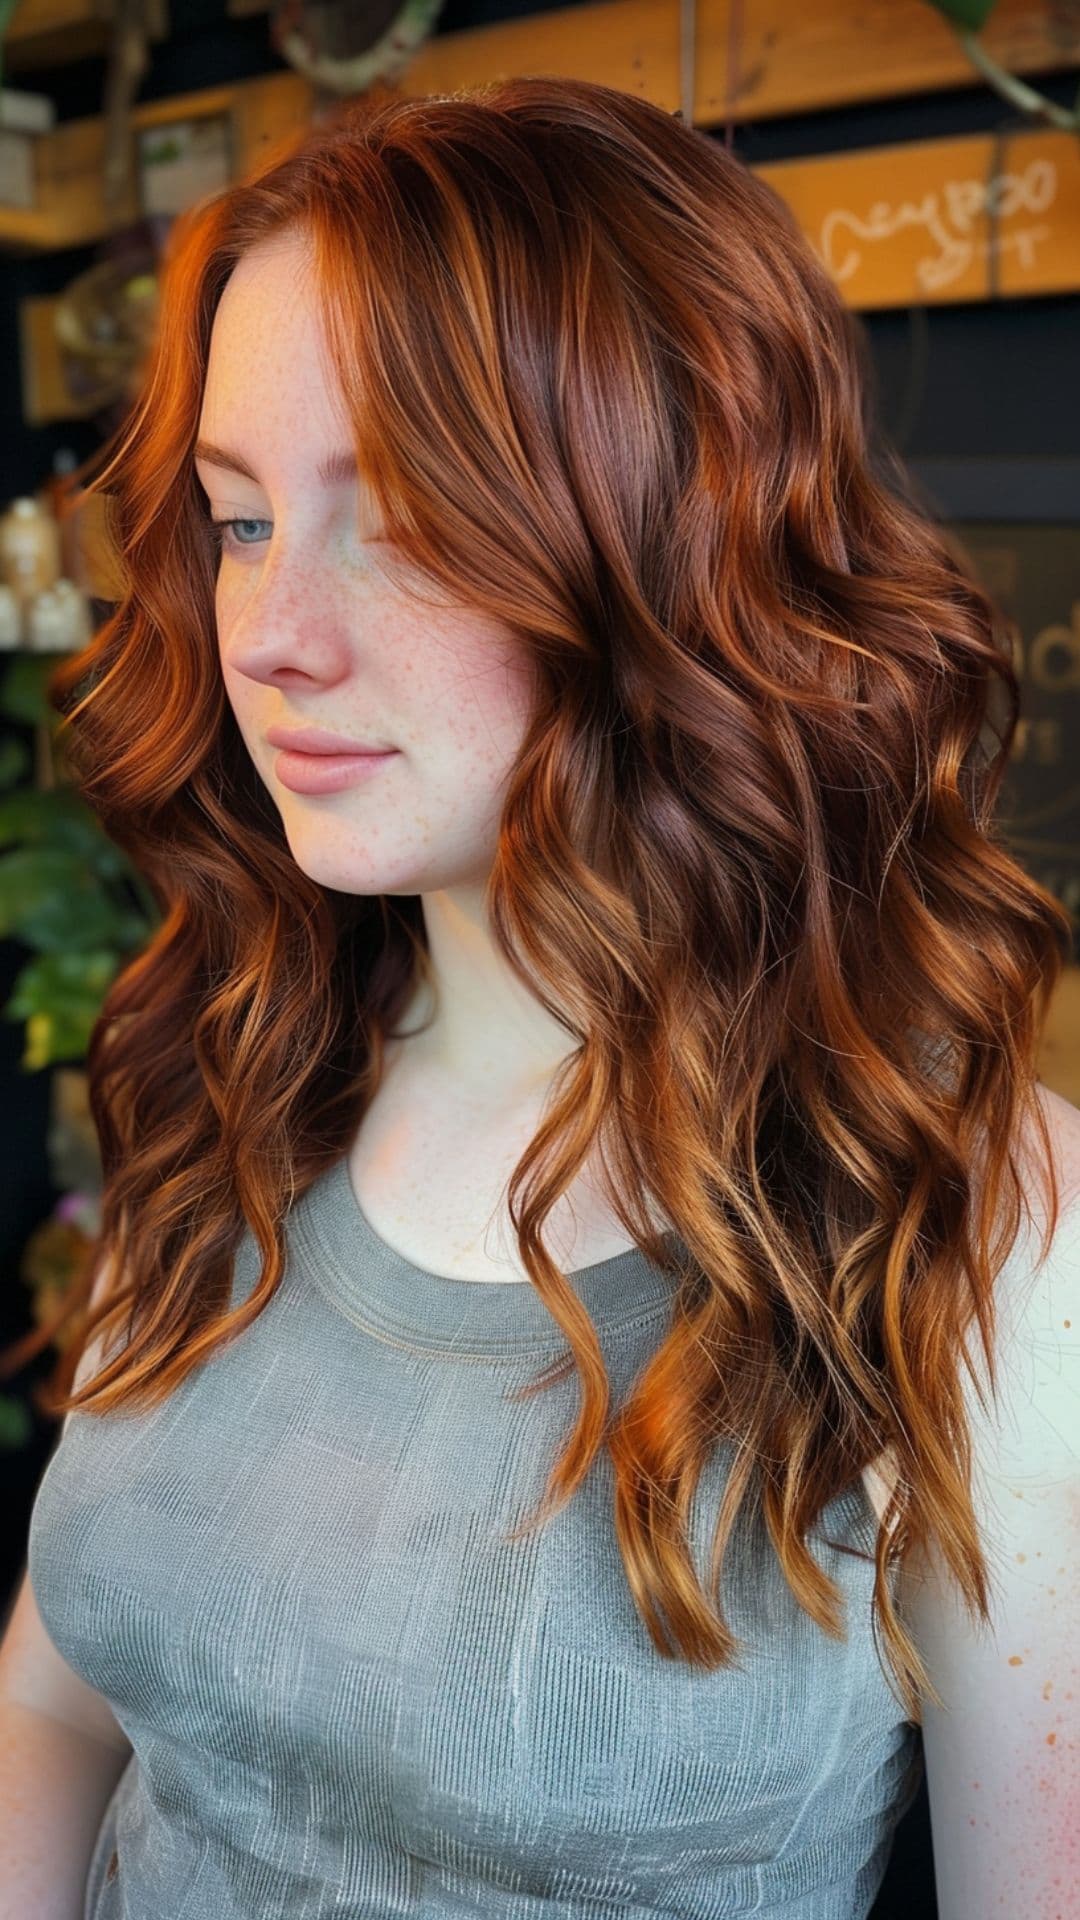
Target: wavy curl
603, 390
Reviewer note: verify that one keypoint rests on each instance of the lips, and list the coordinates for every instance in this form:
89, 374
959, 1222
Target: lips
318, 773
315, 740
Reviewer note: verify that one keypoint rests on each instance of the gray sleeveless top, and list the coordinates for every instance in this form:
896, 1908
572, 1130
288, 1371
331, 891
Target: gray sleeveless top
348, 1697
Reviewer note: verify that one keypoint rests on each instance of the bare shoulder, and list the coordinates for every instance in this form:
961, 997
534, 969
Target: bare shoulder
1063, 1120
1038, 1318
1063, 1124
1037, 1314
1027, 1280
1003, 1777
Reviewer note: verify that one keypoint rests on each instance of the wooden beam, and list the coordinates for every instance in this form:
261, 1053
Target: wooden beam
934, 221
49, 33
801, 56
793, 57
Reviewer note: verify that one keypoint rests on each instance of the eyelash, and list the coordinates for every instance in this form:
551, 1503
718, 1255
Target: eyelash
223, 540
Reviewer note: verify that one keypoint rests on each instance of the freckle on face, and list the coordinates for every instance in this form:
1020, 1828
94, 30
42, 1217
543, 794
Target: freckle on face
334, 635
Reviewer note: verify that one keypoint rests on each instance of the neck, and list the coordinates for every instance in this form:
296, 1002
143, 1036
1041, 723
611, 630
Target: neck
486, 1030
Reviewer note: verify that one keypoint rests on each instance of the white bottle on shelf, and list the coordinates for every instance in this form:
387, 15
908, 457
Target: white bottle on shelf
29, 549
58, 620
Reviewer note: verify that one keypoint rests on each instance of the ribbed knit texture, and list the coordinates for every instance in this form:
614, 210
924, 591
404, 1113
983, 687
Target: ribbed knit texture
350, 1698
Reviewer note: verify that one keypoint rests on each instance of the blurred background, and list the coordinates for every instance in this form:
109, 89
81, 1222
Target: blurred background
930, 150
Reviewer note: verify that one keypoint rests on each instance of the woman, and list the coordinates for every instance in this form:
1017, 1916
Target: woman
576, 1135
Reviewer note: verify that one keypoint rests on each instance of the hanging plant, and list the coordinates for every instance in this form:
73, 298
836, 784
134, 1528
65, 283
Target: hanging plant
968, 17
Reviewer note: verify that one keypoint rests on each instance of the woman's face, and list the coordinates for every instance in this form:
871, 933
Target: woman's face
315, 624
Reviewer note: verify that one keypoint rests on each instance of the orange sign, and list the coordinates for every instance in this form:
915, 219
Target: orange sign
942, 220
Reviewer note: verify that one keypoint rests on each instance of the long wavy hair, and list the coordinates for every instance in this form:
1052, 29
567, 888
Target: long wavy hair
603, 390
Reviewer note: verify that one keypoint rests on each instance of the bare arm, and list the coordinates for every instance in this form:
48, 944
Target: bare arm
61, 1755
1002, 1763
55, 1784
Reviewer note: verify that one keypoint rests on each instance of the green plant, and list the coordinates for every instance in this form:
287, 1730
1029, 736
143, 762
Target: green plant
968, 17
71, 896
66, 890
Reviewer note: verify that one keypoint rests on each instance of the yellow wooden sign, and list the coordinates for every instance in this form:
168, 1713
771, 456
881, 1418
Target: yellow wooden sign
942, 220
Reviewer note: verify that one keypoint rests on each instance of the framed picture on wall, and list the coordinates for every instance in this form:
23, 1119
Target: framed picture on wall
184, 161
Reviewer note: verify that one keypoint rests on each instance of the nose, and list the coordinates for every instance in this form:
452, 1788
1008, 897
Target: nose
292, 628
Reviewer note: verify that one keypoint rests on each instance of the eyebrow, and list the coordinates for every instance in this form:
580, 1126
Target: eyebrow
335, 469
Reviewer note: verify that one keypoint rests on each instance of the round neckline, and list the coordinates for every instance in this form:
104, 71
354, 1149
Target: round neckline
378, 1287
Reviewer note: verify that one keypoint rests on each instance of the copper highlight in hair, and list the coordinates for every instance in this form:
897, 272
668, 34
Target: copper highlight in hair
603, 390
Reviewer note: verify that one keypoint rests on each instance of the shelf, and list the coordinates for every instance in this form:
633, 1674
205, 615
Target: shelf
793, 59
48, 33
71, 160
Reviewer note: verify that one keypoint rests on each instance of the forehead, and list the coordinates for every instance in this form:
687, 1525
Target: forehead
271, 398
268, 323
270, 300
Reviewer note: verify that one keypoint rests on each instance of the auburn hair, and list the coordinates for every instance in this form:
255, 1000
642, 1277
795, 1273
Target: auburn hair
604, 390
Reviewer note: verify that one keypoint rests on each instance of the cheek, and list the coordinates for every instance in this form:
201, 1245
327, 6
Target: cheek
225, 610
477, 692
492, 722
240, 692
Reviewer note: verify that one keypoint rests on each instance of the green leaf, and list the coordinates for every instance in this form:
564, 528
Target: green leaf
22, 689
16, 1426
52, 899
57, 817
970, 15
15, 760
53, 1040
59, 1006
66, 984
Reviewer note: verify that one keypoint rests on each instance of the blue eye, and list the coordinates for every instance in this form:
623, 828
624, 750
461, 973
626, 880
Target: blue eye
222, 534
